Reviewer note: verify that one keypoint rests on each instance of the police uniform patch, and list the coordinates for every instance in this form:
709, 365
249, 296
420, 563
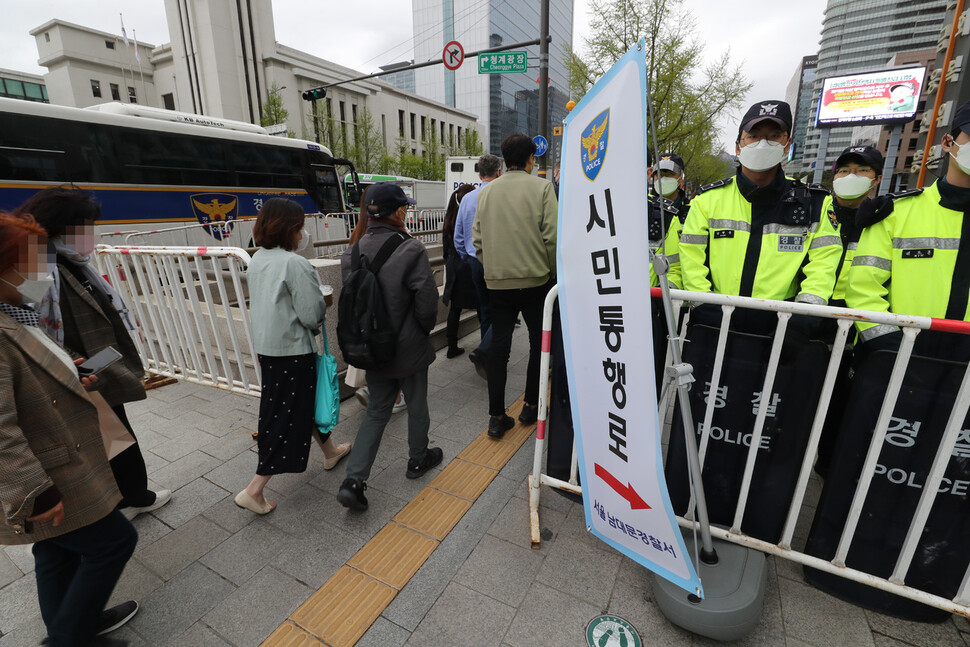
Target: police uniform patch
723, 233
918, 253
791, 243
833, 219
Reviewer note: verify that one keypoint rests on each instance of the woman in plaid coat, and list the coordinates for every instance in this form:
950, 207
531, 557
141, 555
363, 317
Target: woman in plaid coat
56, 488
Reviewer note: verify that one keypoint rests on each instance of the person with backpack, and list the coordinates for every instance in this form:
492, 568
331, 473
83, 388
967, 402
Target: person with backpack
387, 308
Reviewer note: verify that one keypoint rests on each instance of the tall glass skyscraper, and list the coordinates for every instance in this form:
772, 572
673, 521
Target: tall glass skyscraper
862, 35
504, 103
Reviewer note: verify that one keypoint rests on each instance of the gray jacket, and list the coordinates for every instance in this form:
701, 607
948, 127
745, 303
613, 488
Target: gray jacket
410, 296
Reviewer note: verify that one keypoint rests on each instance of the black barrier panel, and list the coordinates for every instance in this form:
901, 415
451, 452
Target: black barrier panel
791, 409
914, 434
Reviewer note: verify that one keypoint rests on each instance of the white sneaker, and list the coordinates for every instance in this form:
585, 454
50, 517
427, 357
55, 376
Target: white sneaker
161, 498
363, 395
399, 406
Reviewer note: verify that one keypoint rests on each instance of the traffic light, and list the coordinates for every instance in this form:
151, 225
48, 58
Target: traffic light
314, 93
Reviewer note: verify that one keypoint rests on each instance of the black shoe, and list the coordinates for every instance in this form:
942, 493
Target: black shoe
478, 359
116, 616
498, 425
431, 458
529, 415
351, 494
454, 352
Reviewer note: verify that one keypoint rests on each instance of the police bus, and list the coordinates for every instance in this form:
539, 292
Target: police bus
153, 169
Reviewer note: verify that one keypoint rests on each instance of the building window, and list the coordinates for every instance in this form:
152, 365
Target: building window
47, 37
412, 125
110, 44
424, 121
384, 129
95, 88
442, 138
168, 100
459, 135
115, 92
451, 134
353, 112
132, 97
400, 123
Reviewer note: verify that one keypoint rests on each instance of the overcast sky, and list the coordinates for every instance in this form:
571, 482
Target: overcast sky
769, 40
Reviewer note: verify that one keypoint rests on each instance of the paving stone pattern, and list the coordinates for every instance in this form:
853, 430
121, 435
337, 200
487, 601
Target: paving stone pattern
210, 574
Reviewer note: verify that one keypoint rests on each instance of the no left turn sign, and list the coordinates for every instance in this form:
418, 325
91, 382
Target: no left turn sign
453, 55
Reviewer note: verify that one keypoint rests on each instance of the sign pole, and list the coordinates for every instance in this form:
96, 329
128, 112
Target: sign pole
543, 79
889, 168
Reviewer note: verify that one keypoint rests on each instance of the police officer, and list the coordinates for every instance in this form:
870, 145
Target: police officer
759, 233
667, 211
858, 172
915, 257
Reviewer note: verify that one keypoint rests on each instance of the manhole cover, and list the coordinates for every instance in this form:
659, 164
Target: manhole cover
611, 631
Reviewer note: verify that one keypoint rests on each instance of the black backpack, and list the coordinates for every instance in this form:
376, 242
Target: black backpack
365, 334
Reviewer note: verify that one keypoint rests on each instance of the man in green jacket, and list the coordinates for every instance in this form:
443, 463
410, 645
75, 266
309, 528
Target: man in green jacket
515, 240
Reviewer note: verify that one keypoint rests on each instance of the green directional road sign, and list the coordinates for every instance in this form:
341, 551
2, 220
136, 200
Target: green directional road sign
503, 62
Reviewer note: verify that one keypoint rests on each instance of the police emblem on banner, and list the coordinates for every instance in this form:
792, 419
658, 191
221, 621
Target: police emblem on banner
595, 138
216, 209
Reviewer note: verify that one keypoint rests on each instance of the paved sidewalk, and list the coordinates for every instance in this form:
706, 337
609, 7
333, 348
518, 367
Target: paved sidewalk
208, 573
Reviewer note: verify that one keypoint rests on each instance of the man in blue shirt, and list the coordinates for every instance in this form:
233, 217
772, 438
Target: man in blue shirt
489, 168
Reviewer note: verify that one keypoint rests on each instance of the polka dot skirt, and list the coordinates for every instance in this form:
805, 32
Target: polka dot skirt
286, 413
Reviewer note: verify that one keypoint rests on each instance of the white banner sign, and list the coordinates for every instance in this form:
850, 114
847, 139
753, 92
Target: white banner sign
604, 293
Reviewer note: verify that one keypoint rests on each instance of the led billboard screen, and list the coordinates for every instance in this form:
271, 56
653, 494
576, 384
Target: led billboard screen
886, 96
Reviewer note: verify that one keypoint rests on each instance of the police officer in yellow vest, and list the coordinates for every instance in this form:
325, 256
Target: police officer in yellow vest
858, 171
667, 211
915, 257
761, 234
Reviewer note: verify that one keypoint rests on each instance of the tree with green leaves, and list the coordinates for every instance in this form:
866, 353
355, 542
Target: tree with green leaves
368, 152
273, 110
471, 145
689, 95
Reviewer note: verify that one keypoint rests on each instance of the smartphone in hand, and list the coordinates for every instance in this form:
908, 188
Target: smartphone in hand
98, 362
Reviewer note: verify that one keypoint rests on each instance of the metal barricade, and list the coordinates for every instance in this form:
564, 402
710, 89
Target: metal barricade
426, 225
192, 308
845, 318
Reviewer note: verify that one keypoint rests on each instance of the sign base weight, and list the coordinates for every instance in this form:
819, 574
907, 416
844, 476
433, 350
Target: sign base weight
734, 592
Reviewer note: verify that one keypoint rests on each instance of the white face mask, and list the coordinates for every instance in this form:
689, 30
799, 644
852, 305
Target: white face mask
304, 240
851, 186
962, 158
762, 156
32, 290
666, 185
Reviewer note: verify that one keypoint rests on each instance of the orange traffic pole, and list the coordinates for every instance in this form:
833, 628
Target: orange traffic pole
931, 134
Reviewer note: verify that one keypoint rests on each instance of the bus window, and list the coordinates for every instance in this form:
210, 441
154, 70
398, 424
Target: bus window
326, 192
156, 158
262, 166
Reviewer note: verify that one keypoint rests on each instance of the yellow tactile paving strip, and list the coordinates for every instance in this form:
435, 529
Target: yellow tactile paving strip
345, 607
393, 555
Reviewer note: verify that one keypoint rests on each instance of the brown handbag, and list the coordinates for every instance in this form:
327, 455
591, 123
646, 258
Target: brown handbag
115, 436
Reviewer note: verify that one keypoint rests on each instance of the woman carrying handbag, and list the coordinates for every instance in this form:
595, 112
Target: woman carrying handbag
287, 310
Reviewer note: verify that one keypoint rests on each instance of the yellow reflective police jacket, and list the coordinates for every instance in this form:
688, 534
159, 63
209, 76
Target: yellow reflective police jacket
843, 219
770, 242
916, 261
667, 226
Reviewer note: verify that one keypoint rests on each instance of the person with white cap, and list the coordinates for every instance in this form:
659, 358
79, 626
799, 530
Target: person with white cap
667, 212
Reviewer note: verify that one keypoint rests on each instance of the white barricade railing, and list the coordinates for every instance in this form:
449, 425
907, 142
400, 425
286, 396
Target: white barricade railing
426, 220
910, 325
191, 305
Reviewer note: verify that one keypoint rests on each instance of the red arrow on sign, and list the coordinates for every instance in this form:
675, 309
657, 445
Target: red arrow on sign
625, 491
